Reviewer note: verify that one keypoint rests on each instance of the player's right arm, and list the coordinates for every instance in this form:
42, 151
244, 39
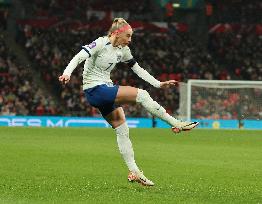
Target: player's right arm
77, 59
86, 52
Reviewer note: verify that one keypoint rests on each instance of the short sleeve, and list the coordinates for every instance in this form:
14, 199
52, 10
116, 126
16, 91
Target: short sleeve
127, 56
93, 47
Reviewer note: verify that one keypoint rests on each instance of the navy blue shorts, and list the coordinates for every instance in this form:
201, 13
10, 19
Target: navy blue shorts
102, 97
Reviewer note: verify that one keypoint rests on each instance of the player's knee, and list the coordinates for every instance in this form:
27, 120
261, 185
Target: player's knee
118, 122
142, 96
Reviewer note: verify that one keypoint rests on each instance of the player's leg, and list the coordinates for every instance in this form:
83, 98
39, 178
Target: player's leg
127, 94
117, 120
103, 98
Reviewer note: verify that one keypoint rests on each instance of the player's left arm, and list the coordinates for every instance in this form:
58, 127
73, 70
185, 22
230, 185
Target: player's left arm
143, 74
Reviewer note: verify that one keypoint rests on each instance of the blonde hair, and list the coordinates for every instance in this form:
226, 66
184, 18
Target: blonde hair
117, 23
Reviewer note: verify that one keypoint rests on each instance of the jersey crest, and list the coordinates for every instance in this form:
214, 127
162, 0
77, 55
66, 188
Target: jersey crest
118, 58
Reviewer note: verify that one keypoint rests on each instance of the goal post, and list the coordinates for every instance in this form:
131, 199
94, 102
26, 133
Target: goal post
220, 99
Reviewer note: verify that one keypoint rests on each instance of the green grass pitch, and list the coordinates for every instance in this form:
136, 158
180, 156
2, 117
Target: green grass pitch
83, 165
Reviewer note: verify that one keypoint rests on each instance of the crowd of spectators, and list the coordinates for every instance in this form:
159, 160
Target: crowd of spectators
165, 56
240, 52
19, 95
230, 55
236, 11
233, 103
84, 9
223, 11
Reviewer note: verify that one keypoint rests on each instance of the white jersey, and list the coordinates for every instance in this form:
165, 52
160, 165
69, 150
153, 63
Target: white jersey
103, 58
100, 59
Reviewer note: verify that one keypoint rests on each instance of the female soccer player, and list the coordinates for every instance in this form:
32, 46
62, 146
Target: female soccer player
100, 57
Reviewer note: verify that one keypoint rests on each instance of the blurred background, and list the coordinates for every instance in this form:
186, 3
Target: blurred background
176, 39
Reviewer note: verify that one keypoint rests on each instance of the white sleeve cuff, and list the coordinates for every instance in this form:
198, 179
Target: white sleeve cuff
143, 74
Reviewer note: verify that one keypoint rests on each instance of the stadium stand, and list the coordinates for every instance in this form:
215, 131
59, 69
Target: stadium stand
90, 11
232, 52
237, 11
240, 52
19, 95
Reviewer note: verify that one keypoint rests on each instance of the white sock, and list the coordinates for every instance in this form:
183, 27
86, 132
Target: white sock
154, 108
125, 147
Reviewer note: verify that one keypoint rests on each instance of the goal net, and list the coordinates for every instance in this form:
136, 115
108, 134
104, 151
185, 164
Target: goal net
221, 99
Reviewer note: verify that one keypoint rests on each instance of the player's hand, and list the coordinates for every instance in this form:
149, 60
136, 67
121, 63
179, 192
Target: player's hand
168, 84
64, 79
